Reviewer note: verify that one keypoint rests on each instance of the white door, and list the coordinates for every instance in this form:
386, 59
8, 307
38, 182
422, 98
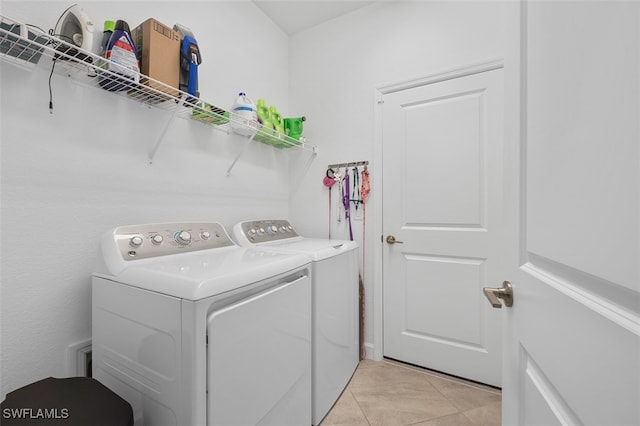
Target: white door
442, 166
572, 337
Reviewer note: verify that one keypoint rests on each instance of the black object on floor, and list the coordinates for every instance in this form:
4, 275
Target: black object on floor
77, 401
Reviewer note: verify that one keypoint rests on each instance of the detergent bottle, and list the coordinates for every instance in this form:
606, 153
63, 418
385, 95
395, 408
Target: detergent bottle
123, 60
263, 114
276, 119
293, 127
245, 119
266, 126
109, 26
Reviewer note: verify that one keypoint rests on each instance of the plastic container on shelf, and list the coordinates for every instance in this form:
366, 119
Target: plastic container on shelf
266, 127
263, 113
276, 119
293, 127
267, 133
208, 113
109, 27
245, 118
123, 60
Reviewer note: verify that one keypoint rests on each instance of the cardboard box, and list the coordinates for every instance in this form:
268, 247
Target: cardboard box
158, 48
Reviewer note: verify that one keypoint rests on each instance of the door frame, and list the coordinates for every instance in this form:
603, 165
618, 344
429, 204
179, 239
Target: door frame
376, 352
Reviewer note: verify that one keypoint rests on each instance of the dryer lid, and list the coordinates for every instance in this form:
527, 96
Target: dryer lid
198, 275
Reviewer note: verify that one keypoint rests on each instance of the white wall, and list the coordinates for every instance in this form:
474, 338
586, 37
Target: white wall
334, 69
70, 176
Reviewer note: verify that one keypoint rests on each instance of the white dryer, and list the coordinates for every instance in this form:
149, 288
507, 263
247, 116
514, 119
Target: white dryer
335, 301
192, 329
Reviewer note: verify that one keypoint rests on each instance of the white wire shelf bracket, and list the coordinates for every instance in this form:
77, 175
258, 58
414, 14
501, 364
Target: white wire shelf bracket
25, 46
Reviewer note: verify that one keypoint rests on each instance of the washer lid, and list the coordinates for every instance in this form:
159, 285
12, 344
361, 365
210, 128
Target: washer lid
205, 273
316, 248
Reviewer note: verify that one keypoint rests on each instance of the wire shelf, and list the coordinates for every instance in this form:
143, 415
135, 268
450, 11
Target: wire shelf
25, 46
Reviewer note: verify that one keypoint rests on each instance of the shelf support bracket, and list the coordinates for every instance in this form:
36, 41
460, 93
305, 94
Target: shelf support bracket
241, 153
153, 152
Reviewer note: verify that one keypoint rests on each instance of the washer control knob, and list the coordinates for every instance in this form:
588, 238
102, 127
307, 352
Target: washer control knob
205, 235
157, 239
183, 237
272, 229
252, 232
261, 231
290, 228
135, 241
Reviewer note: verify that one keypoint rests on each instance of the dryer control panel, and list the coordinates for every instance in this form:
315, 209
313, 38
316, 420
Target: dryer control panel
162, 239
264, 231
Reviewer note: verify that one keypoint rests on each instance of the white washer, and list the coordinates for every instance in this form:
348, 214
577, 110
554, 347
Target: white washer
335, 324
192, 329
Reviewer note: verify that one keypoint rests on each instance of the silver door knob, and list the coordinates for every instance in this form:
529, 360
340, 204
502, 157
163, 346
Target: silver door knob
392, 240
495, 294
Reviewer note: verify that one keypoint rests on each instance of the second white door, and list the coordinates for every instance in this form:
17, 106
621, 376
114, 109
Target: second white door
442, 184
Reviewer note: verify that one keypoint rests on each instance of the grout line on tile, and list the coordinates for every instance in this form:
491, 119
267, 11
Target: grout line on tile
348, 388
435, 418
359, 407
473, 419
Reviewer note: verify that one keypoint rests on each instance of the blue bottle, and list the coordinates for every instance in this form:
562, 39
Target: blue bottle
122, 60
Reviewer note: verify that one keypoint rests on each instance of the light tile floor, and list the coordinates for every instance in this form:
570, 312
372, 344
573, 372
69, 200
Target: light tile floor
388, 393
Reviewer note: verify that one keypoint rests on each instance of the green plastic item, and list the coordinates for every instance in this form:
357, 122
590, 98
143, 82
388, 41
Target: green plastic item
276, 119
263, 111
293, 127
276, 130
109, 25
210, 114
